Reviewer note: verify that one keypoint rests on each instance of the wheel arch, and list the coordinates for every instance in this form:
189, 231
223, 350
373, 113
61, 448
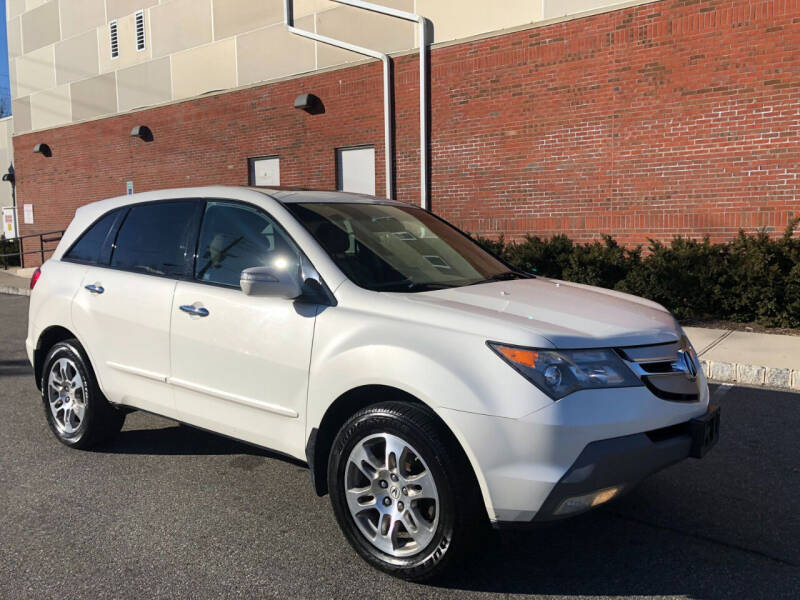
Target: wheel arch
320, 440
48, 338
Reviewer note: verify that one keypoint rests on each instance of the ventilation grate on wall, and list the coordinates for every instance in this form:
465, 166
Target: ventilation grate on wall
114, 36
140, 30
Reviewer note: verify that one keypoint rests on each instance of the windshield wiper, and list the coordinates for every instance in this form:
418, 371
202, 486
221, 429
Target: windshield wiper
407, 285
504, 276
410, 286
428, 287
507, 275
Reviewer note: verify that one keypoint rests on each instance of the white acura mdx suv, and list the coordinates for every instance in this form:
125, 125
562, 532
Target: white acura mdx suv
430, 387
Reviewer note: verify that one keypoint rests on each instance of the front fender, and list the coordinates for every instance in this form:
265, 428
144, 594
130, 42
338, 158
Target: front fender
445, 369
399, 368
412, 373
465, 376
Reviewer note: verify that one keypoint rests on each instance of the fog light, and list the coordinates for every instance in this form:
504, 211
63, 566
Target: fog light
587, 501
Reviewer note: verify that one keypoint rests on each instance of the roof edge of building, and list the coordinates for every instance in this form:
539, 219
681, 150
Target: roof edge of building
353, 64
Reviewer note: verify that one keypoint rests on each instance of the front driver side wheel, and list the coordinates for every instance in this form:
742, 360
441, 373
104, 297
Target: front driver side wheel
402, 494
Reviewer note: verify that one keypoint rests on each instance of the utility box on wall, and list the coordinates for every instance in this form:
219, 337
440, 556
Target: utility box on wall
355, 170
264, 170
9, 223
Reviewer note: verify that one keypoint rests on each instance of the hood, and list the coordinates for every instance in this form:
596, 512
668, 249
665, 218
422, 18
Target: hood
569, 315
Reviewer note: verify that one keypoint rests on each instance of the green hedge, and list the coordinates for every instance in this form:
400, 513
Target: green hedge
753, 278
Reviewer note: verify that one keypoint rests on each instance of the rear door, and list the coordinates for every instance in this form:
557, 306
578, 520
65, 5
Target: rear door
122, 310
240, 363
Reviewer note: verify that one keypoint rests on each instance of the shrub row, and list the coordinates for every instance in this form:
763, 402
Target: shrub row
753, 278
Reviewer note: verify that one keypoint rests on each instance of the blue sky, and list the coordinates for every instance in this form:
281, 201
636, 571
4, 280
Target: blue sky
5, 91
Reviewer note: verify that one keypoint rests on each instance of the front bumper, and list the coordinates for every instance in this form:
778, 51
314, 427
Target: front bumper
614, 466
587, 441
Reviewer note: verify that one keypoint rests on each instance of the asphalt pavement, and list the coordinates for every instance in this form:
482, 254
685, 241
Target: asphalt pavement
166, 511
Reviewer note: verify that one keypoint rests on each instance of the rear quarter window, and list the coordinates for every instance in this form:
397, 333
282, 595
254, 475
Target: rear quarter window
90, 245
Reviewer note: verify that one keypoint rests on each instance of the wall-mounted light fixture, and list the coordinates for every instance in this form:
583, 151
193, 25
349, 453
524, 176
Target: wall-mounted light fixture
9, 175
142, 132
309, 103
42, 149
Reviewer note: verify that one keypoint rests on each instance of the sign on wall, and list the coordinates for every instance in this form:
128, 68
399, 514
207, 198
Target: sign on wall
265, 170
9, 223
129, 188
27, 214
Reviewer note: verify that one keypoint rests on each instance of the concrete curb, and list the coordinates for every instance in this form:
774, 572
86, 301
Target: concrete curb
14, 291
770, 377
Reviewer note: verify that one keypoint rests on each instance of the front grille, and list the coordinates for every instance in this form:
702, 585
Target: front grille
652, 354
676, 388
657, 367
668, 370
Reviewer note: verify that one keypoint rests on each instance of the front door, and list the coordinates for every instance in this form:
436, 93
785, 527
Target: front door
240, 363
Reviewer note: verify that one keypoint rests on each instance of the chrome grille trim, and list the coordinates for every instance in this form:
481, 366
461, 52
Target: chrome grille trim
651, 354
668, 370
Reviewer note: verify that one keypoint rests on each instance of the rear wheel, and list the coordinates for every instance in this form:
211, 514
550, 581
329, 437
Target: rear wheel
76, 410
403, 496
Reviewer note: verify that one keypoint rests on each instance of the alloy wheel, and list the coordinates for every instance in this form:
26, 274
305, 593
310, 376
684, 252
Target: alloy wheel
66, 395
391, 494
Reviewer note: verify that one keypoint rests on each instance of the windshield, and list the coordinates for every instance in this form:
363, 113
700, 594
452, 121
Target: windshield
398, 249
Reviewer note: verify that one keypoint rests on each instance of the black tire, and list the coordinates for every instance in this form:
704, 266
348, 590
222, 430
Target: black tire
100, 420
459, 522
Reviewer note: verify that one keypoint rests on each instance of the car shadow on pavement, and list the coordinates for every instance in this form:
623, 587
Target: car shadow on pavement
606, 554
722, 527
18, 366
180, 439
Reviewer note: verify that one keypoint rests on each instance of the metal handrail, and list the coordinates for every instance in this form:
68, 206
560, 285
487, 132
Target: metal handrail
41, 251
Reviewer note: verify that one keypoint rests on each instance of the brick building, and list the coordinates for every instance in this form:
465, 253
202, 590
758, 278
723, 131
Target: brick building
639, 119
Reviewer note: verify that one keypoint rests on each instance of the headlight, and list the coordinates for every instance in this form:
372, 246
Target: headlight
560, 372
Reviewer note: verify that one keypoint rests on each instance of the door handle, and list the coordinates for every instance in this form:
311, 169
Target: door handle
193, 310
95, 289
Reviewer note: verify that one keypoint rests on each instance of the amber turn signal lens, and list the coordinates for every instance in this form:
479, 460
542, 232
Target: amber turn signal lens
520, 356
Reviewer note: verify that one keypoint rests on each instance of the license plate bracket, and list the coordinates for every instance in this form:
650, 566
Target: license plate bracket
704, 432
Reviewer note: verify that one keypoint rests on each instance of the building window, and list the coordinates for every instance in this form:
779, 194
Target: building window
140, 45
355, 170
265, 170
114, 37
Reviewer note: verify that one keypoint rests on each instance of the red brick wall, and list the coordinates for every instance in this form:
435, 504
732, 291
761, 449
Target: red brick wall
679, 117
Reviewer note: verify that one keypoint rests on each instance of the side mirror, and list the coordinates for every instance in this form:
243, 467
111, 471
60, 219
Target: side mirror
281, 280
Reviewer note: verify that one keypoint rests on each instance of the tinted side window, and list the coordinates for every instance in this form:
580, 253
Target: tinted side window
154, 238
89, 246
235, 237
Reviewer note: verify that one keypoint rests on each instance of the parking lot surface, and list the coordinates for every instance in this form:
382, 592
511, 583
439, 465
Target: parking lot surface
166, 511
